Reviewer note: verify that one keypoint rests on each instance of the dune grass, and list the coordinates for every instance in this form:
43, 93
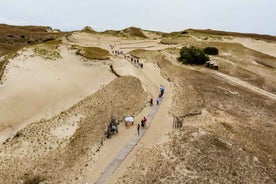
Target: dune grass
48, 50
92, 52
167, 41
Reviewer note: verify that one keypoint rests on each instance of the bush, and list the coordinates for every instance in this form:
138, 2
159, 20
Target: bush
192, 55
211, 50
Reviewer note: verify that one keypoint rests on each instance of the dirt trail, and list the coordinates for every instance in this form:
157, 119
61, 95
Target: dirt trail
151, 78
160, 126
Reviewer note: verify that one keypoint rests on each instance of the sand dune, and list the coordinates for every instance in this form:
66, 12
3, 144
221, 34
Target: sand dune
35, 88
69, 102
265, 47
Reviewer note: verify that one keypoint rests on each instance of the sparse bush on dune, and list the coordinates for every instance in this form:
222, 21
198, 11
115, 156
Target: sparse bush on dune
192, 55
211, 50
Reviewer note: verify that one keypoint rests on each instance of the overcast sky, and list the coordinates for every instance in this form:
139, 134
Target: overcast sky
254, 16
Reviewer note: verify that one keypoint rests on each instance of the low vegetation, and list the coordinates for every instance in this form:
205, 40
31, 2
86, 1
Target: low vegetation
13, 38
48, 50
88, 29
192, 55
127, 33
167, 41
134, 31
211, 50
92, 52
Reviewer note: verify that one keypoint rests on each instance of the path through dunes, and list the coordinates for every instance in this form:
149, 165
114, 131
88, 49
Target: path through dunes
219, 111
157, 131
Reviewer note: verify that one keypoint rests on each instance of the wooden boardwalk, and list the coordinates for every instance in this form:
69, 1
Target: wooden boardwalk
119, 158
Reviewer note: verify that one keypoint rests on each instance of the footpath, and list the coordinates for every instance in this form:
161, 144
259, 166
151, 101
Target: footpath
110, 169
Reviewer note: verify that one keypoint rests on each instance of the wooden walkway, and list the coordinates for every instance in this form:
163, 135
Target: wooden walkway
110, 169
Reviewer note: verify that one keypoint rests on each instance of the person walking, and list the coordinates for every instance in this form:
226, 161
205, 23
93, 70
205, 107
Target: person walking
162, 89
151, 102
157, 100
138, 129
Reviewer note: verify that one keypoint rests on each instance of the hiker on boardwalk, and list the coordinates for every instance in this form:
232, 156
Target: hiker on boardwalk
151, 102
157, 100
144, 120
142, 123
162, 89
138, 129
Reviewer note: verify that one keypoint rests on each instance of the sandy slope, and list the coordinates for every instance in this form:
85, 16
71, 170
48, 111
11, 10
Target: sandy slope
35, 88
258, 45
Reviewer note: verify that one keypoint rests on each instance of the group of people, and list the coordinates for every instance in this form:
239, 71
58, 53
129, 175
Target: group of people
158, 98
143, 124
113, 125
126, 56
144, 120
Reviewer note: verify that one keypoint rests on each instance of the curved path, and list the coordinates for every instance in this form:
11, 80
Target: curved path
159, 125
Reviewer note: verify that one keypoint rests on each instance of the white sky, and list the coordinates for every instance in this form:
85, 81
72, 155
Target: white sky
254, 16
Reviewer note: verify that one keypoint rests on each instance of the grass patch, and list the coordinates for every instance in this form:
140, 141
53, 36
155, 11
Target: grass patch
48, 50
16, 37
92, 52
139, 53
33, 179
167, 41
134, 31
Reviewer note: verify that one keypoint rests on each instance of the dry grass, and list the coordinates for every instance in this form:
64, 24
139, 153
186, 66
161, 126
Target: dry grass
131, 33
15, 37
92, 52
48, 50
134, 31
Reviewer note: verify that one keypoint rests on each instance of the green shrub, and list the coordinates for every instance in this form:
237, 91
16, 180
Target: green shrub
211, 50
192, 55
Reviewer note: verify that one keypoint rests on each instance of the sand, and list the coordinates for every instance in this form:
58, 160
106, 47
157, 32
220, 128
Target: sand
265, 47
34, 88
